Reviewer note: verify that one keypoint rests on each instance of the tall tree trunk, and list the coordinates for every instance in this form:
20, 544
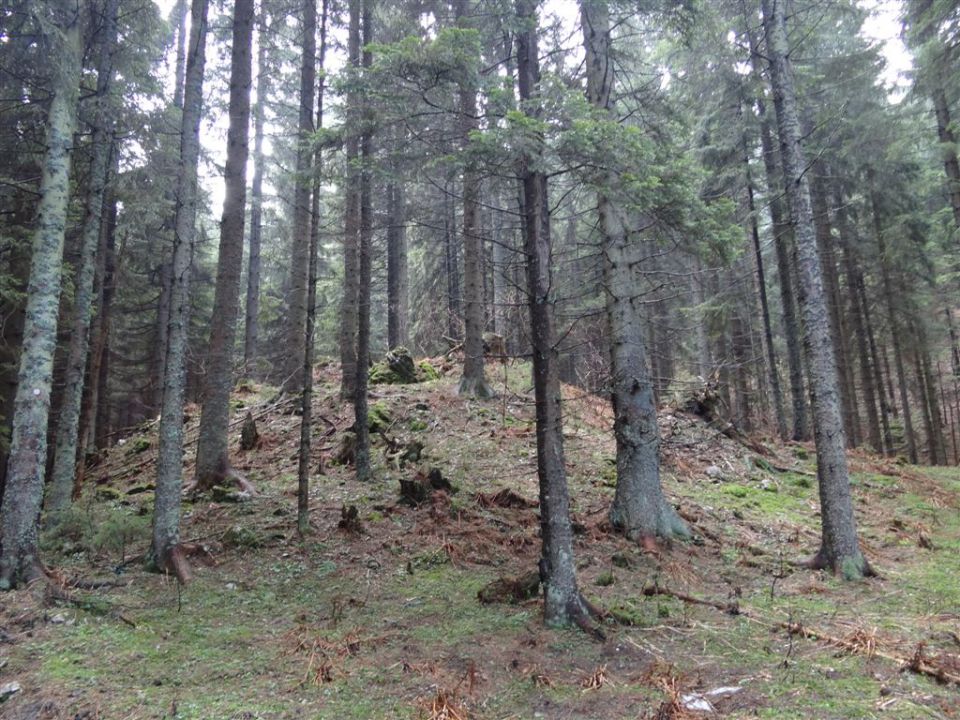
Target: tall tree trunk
212, 454
165, 554
96, 400
639, 508
306, 396
934, 429
563, 602
703, 360
351, 219
782, 241
893, 321
364, 252
300, 261
397, 285
948, 144
848, 243
741, 356
252, 322
840, 549
162, 342
452, 260
781, 417
828, 265
23, 494
180, 20
875, 361
473, 382
65, 453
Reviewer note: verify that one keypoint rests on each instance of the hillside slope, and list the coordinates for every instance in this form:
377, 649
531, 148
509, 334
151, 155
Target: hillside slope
384, 622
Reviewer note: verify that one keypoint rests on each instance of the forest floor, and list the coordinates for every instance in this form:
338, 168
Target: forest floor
385, 623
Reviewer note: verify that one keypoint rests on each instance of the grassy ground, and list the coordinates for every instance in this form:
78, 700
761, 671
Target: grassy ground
386, 623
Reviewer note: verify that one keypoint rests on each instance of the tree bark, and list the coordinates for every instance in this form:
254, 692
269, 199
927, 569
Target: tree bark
96, 404
62, 474
364, 252
351, 219
212, 453
893, 321
452, 258
397, 283
180, 67
848, 244
778, 410
473, 381
828, 265
303, 183
23, 494
563, 603
165, 554
782, 241
252, 322
840, 548
306, 397
639, 508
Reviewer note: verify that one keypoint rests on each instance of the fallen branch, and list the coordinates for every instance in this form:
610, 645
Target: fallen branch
917, 663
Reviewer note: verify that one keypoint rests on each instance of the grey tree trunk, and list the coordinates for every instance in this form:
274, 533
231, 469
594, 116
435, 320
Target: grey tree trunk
875, 363
828, 265
782, 242
563, 602
639, 508
840, 548
949, 145
60, 485
180, 20
893, 321
299, 254
474, 381
162, 343
704, 358
397, 283
364, 252
252, 310
452, 259
165, 554
848, 249
781, 417
23, 493
95, 390
351, 220
306, 397
212, 455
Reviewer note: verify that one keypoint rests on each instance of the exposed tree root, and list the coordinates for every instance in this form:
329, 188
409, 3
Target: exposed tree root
174, 562
820, 561
586, 616
225, 474
730, 608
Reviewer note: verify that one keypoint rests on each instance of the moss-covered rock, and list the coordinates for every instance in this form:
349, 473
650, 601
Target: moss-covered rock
138, 445
427, 372
396, 368
379, 417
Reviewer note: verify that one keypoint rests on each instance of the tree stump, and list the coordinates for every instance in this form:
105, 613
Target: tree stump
249, 437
